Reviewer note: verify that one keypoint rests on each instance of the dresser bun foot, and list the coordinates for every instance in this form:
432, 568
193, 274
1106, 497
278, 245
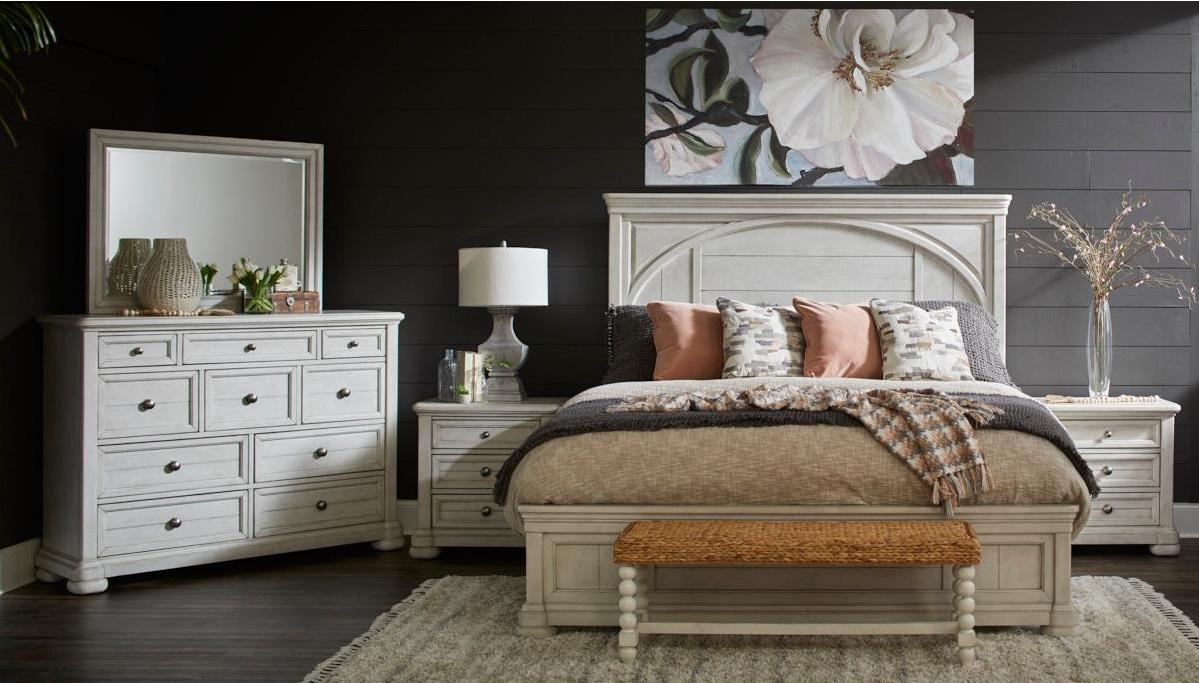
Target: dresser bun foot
87, 587
1165, 549
46, 576
388, 544
424, 552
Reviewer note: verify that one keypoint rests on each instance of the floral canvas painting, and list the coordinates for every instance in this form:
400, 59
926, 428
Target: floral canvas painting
809, 97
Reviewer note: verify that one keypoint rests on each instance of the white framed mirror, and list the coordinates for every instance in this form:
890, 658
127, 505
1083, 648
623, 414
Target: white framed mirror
228, 197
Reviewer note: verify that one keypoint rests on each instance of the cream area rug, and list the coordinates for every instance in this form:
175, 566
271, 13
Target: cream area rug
462, 629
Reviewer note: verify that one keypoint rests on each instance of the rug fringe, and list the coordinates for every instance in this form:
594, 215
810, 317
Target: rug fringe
1167, 609
326, 669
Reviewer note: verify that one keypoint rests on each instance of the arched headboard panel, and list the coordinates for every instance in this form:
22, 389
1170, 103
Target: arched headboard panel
838, 247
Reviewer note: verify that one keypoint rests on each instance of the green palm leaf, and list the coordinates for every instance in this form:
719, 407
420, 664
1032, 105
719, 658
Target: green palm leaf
24, 29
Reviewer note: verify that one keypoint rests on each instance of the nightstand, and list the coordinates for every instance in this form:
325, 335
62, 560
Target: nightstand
461, 448
1130, 448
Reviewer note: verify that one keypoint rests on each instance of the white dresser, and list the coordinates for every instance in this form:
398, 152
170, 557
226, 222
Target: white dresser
1130, 449
180, 441
461, 448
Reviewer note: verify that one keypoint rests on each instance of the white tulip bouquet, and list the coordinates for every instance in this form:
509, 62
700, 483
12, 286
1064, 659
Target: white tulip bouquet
258, 283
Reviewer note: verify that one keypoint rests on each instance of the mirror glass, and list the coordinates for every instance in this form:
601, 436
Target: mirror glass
226, 205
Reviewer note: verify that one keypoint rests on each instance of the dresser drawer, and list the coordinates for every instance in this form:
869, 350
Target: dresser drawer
148, 404
160, 467
248, 347
1114, 433
1125, 509
250, 397
293, 509
354, 342
467, 512
311, 453
458, 471
135, 351
335, 393
482, 433
1124, 469
172, 523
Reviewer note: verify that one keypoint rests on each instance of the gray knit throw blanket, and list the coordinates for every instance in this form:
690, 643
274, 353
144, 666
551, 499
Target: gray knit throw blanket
930, 431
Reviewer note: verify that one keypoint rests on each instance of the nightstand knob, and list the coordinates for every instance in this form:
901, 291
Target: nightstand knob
251, 347
352, 344
485, 511
320, 452
174, 523
1106, 471
485, 472
173, 466
136, 351
1107, 433
147, 404
485, 435
343, 393
321, 505
1107, 509
250, 399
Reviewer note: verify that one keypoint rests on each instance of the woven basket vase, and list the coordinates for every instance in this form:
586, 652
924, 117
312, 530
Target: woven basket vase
170, 280
125, 269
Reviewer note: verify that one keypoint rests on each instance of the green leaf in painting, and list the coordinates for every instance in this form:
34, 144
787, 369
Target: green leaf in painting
697, 145
731, 19
714, 67
747, 162
778, 156
681, 81
664, 113
657, 18
690, 17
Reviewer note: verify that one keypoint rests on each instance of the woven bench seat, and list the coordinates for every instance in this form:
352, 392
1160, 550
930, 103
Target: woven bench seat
719, 542
734, 542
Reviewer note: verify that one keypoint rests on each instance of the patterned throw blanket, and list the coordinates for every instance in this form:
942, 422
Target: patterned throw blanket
930, 431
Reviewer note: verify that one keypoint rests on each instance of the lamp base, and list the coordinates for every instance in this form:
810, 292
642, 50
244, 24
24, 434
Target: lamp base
504, 386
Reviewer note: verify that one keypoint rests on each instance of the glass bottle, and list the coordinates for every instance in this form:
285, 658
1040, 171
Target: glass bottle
447, 375
1099, 348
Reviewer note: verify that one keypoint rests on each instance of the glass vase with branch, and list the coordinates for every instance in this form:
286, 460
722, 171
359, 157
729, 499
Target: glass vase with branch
1111, 258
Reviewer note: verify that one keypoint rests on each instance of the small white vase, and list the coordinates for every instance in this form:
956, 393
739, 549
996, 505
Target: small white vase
170, 281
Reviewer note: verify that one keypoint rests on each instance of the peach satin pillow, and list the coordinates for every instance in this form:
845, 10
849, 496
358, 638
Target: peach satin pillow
689, 340
842, 340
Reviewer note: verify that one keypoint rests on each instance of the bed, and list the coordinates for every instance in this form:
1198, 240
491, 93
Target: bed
570, 497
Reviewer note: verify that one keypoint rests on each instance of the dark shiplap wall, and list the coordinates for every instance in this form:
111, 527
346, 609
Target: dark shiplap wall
461, 125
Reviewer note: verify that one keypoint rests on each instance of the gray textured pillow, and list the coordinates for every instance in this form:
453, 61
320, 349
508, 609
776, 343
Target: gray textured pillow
630, 345
980, 334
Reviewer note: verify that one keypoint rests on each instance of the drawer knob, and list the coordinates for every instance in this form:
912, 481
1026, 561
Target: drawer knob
174, 523
250, 399
251, 347
321, 505
173, 466
136, 351
352, 344
485, 511
1107, 509
147, 404
485, 472
1106, 470
320, 452
485, 435
1107, 433
343, 392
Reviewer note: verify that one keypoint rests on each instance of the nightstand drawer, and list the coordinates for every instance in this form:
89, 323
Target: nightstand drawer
286, 510
467, 512
482, 433
1125, 469
458, 471
1114, 433
248, 347
1125, 509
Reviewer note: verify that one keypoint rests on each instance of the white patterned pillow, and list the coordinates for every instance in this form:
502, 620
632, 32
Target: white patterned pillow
760, 341
919, 344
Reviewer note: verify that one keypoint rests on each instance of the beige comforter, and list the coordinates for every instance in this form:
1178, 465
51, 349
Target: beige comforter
780, 465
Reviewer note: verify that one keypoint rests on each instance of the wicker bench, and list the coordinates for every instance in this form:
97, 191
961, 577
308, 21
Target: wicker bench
752, 543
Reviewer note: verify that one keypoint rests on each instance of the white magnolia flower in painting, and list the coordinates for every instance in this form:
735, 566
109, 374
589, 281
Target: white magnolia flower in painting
859, 90
702, 151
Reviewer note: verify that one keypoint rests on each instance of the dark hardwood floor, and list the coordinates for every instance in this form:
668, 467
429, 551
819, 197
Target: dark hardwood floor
275, 618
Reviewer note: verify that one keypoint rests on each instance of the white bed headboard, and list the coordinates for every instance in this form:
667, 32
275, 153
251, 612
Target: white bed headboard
835, 247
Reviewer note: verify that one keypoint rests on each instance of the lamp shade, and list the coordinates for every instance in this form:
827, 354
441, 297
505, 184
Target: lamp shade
502, 276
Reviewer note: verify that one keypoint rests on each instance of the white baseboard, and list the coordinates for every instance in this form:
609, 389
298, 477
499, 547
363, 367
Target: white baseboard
406, 513
16, 564
1186, 519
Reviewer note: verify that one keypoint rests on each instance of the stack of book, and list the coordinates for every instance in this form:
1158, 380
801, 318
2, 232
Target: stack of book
470, 375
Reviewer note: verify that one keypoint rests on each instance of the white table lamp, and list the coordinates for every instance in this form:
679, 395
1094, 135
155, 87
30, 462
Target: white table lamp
503, 279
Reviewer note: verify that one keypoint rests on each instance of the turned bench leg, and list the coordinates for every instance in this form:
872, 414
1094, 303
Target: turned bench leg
627, 641
963, 604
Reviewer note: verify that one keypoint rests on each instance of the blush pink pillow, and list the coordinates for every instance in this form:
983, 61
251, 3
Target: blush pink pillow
842, 340
689, 340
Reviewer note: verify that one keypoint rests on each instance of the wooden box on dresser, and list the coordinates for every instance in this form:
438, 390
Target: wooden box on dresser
184, 440
1130, 448
461, 448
